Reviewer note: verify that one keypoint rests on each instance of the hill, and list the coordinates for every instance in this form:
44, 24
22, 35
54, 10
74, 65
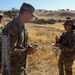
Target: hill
55, 14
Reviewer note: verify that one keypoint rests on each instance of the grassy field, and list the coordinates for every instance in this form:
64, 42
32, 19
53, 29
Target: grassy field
45, 60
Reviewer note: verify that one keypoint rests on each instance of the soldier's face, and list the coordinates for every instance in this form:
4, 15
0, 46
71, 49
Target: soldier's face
68, 27
28, 16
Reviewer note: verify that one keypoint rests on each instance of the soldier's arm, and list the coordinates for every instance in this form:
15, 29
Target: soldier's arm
12, 29
70, 46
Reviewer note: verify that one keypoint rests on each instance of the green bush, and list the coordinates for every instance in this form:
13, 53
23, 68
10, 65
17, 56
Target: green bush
42, 21
50, 21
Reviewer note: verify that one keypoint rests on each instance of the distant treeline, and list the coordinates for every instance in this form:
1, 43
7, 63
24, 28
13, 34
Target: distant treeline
42, 21
49, 21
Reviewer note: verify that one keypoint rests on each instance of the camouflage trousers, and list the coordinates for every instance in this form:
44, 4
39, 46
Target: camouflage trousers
65, 63
17, 63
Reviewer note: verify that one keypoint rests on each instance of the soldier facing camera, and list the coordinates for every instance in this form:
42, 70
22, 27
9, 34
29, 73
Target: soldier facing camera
66, 43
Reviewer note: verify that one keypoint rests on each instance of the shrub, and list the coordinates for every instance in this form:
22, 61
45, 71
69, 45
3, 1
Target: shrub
42, 21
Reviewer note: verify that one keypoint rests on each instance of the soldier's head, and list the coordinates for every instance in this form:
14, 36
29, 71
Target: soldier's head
68, 25
1, 16
26, 12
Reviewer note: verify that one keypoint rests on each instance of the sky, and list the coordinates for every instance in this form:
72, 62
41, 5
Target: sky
38, 4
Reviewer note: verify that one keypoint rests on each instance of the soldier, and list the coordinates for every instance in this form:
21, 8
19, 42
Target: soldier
66, 43
1, 16
18, 37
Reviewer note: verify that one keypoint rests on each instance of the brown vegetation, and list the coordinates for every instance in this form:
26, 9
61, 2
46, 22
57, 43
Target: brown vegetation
45, 60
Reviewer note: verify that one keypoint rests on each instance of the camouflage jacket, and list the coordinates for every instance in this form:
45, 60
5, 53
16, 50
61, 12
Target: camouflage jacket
19, 30
1, 27
67, 41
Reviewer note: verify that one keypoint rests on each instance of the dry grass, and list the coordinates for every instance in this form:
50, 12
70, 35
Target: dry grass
44, 61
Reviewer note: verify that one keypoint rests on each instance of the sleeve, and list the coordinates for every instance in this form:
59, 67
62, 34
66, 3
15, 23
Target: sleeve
11, 26
71, 45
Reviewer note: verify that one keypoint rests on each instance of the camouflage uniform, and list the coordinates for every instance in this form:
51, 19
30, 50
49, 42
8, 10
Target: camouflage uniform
67, 56
1, 27
0, 42
17, 58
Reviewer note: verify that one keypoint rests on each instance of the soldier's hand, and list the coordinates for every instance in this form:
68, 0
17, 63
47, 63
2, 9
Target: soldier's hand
57, 45
30, 50
57, 39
